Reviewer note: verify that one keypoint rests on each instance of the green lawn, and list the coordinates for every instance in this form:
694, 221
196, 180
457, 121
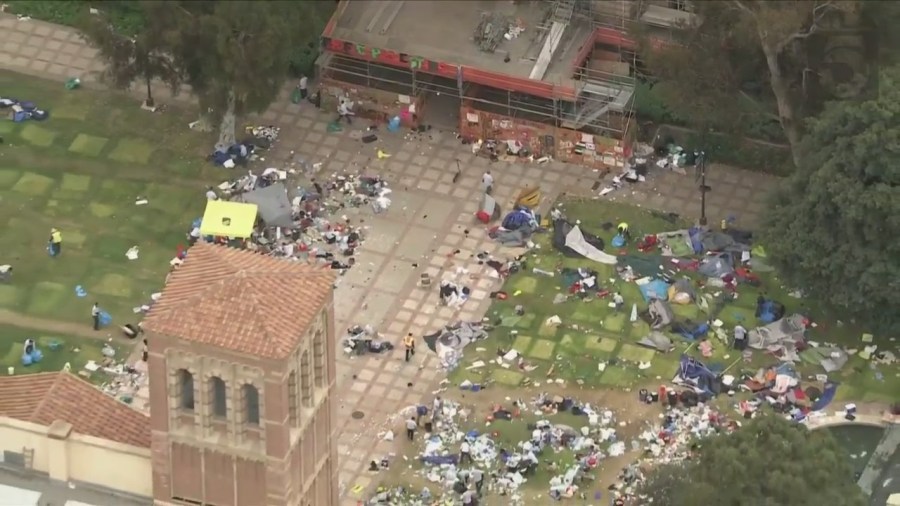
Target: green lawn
81, 171
57, 350
592, 332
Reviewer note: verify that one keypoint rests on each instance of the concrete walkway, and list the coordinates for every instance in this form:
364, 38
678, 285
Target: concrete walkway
875, 469
429, 229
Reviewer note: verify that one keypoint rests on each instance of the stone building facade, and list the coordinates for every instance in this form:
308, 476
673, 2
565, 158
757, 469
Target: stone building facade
242, 367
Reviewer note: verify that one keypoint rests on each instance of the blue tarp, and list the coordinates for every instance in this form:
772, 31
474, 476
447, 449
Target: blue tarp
827, 396
656, 289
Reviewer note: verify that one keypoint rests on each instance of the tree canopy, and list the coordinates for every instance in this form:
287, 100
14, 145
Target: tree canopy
141, 57
235, 55
769, 63
833, 227
768, 462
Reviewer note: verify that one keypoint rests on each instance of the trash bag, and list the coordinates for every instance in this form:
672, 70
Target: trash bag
296, 96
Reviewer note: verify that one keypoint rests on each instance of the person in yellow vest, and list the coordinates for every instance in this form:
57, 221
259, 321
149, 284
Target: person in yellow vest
55, 242
409, 342
623, 230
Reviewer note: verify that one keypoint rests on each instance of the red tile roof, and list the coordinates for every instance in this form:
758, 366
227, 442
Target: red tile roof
43, 398
241, 301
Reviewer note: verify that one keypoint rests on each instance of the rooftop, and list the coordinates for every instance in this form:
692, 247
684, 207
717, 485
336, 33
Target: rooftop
444, 31
30, 489
240, 301
43, 398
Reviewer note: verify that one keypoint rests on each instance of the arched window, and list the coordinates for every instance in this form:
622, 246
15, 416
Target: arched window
293, 398
186, 389
251, 404
320, 359
219, 396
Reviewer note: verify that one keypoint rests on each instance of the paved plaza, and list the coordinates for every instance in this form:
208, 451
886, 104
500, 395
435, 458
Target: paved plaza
428, 229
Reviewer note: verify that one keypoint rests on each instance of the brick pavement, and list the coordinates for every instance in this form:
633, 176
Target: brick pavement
427, 221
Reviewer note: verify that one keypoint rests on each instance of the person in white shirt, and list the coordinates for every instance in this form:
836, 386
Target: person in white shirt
411, 427
619, 301
211, 194
5, 273
465, 455
487, 182
304, 83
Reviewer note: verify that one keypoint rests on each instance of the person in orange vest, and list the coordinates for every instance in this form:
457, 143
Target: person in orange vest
409, 342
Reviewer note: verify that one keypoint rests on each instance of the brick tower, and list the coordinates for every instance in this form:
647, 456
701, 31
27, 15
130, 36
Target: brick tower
242, 368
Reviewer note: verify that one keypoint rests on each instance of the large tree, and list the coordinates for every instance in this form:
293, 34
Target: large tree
750, 60
768, 461
131, 57
236, 55
833, 227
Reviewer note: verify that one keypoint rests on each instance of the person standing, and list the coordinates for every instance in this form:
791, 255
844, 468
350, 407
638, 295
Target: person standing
55, 242
409, 342
618, 301
478, 478
411, 427
303, 87
487, 182
465, 453
95, 315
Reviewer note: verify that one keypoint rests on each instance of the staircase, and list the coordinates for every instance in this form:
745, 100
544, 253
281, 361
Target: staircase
562, 11
597, 99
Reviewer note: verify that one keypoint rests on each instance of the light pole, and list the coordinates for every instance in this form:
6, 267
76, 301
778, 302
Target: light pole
701, 176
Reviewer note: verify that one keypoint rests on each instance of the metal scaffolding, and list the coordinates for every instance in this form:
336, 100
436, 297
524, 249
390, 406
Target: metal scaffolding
604, 78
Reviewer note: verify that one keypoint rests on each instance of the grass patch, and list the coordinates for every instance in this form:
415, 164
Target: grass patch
132, 151
37, 135
75, 183
88, 145
592, 332
57, 350
33, 184
62, 178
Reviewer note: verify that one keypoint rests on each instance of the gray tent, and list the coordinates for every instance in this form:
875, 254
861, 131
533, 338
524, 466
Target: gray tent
274, 205
657, 341
661, 314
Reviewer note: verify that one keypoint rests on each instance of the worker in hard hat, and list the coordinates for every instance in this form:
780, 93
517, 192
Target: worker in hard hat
623, 231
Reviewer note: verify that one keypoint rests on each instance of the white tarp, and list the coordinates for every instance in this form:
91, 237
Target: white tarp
576, 241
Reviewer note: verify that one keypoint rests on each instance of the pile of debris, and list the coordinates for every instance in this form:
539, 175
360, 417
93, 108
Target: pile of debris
305, 224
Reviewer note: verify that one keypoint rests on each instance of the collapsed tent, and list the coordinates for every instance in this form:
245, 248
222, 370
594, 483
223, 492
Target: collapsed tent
654, 289
449, 342
661, 314
831, 359
572, 241
657, 341
518, 218
677, 243
716, 266
682, 292
274, 206
228, 219
780, 337
694, 373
